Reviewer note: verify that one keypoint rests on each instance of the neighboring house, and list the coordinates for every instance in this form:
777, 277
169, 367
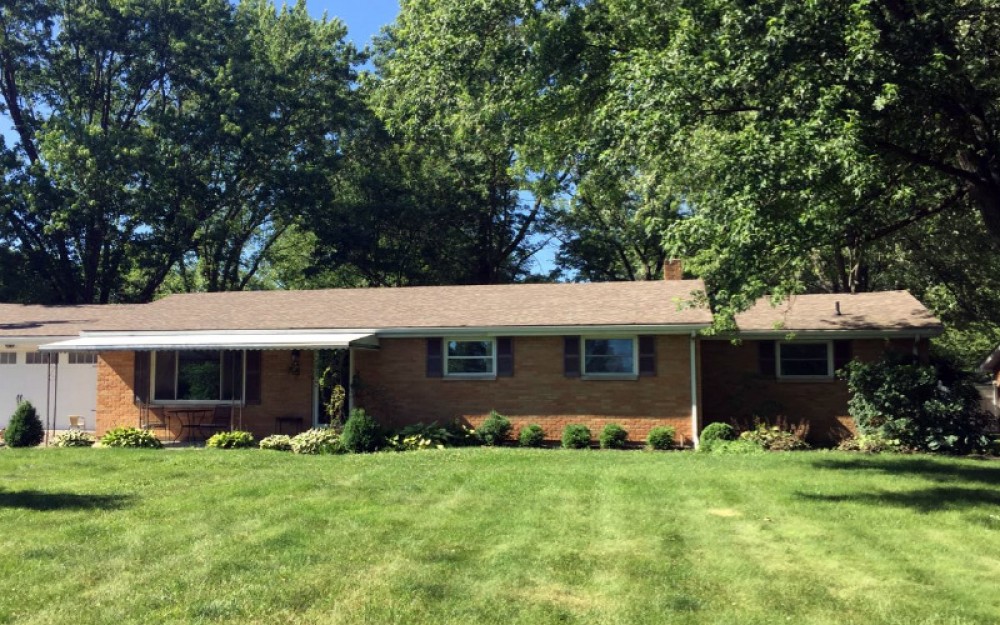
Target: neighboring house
552, 354
57, 384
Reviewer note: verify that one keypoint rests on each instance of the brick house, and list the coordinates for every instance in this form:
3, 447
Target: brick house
632, 353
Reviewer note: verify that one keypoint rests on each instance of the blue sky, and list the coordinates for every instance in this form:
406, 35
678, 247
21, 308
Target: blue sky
364, 18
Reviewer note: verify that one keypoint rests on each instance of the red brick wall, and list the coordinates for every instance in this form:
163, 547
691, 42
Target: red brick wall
395, 389
737, 393
283, 394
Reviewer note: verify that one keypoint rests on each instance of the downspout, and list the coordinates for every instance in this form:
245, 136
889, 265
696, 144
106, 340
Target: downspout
694, 389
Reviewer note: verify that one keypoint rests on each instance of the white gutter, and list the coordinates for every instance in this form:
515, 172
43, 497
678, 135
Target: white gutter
694, 389
824, 334
184, 340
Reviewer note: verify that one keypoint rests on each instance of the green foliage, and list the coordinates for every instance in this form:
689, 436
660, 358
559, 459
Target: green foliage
739, 446
613, 436
317, 441
277, 442
933, 407
576, 436
773, 438
25, 428
411, 442
361, 433
871, 444
74, 438
495, 430
130, 437
231, 440
661, 438
531, 435
713, 433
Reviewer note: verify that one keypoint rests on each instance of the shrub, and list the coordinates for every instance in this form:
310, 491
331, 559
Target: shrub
576, 436
413, 442
773, 438
613, 436
230, 440
25, 428
317, 441
931, 407
130, 437
715, 432
461, 435
74, 438
661, 438
531, 436
495, 429
738, 446
361, 433
871, 444
276, 442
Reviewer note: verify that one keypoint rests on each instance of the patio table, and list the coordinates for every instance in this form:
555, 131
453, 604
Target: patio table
190, 420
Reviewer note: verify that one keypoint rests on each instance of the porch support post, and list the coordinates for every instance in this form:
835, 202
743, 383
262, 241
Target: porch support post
694, 388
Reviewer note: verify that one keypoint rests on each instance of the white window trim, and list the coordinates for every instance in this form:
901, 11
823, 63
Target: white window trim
829, 361
469, 376
609, 376
193, 402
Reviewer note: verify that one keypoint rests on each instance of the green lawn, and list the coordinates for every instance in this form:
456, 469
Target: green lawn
496, 536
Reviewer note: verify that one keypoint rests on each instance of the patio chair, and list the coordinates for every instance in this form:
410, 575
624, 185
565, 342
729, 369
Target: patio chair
222, 421
76, 422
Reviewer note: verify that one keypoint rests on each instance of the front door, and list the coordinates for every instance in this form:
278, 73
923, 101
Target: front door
332, 382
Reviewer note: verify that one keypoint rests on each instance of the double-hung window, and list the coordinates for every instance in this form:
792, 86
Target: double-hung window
609, 357
470, 358
198, 376
8, 358
805, 360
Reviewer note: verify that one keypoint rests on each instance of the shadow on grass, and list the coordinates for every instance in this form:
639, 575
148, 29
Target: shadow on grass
38, 500
922, 500
984, 472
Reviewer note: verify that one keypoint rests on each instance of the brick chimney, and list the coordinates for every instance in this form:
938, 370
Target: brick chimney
673, 269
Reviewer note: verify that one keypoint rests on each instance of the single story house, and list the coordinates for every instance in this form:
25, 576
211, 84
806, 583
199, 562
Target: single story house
632, 353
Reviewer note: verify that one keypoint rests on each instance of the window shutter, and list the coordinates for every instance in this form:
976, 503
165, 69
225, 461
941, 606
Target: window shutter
435, 359
254, 377
141, 381
232, 375
841, 354
505, 357
165, 384
766, 358
647, 355
571, 356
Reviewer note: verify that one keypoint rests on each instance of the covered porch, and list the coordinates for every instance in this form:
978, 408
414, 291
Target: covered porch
185, 386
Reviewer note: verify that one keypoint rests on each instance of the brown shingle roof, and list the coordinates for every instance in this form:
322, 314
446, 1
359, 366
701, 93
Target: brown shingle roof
21, 320
885, 310
606, 303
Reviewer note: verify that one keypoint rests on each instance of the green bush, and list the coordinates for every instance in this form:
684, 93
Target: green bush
231, 440
411, 442
276, 442
715, 432
613, 436
576, 436
495, 429
531, 436
130, 437
361, 433
738, 446
74, 438
933, 407
661, 438
871, 444
320, 440
461, 435
25, 428
773, 438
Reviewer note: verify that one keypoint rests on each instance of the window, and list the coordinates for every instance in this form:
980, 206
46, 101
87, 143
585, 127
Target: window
609, 357
82, 358
470, 358
805, 360
204, 376
40, 358
8, 358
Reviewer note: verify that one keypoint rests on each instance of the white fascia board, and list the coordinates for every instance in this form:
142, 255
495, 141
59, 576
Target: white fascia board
31, 341
490, 331
825, 334
149, 341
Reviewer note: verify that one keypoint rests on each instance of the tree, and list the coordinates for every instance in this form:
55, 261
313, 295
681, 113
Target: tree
155, 136
25, 428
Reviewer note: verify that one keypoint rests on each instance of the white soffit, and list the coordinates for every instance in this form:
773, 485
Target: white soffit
242, 340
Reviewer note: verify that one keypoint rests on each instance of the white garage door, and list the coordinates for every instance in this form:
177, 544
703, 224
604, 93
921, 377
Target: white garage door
24, 374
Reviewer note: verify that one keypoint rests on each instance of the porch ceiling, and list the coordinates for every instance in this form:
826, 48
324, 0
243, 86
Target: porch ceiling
106, 342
